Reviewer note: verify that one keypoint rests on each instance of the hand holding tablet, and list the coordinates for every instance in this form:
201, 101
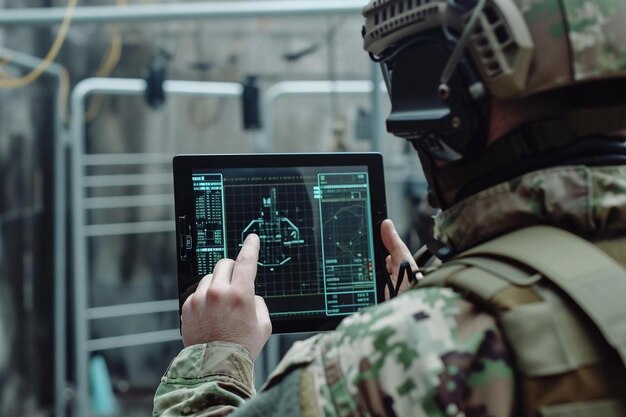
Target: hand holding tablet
228, 293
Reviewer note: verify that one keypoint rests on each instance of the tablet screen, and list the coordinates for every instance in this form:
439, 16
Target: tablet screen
317, 258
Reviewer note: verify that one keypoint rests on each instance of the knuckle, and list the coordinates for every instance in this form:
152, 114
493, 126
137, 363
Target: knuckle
206, 281
214, 295
189, 304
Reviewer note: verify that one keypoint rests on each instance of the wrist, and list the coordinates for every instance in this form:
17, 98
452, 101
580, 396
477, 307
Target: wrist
214, 360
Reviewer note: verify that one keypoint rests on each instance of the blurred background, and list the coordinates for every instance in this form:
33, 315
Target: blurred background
96, 97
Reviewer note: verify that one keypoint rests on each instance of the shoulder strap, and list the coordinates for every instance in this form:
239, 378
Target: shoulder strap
593, 280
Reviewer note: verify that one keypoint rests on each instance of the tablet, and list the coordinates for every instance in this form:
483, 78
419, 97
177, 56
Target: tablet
318, 219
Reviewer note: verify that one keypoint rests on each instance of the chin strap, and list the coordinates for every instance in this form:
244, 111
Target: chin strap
534, 146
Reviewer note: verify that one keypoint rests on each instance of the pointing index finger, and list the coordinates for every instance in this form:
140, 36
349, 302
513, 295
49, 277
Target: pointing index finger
245, 269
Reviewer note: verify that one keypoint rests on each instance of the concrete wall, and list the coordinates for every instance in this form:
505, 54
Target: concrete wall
25, 234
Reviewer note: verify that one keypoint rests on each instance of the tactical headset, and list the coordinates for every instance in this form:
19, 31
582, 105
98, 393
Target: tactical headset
438, 102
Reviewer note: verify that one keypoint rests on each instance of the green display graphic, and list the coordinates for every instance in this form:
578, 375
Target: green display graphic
317, 254
210, 227
275, 231
347, 246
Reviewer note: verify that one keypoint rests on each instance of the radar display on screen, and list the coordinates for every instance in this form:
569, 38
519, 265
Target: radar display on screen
317, 254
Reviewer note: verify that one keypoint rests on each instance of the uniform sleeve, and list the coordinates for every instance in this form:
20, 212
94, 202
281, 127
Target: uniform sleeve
205, 380
425, 353
216, 379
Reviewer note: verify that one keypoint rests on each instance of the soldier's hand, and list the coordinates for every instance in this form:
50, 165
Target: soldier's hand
224, 307
398, 252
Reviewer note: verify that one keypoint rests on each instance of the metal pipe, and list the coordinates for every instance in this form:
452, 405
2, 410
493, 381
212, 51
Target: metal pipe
134, 309
305, 88
119, 229
181, 11
61, 244
110, 159
123, 180
79, 245
127, 201
137, 339
134, 86
377, 117
59, 229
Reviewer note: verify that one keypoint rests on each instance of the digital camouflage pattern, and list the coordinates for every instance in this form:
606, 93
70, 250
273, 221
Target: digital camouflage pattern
575, 40
425, 353
587, 201
206, 380
597, 34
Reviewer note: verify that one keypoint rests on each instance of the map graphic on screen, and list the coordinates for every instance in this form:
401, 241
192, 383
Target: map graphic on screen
317, 254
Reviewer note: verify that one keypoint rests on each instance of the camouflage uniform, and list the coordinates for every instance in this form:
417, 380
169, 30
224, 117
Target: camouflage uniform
428, 352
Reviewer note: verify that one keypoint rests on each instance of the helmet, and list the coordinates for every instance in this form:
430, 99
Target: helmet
446, 62
566, 42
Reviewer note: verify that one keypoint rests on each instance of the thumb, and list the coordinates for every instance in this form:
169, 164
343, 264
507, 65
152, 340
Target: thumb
394, 245
398, 252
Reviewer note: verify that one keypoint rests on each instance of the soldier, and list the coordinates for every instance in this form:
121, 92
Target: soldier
517, 111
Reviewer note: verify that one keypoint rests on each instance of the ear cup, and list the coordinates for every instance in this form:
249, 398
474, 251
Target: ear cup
447, 124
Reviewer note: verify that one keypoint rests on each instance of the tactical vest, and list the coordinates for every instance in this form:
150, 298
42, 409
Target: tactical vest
561, 304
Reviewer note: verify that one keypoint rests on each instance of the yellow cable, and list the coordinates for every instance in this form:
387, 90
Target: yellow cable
50, 56
108, 64
112, 58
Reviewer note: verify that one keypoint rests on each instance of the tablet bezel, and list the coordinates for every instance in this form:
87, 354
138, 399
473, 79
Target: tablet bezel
184, 165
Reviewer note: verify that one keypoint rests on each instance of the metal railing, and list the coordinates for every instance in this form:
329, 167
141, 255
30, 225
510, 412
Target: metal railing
315, 88
83, 232
82, 203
